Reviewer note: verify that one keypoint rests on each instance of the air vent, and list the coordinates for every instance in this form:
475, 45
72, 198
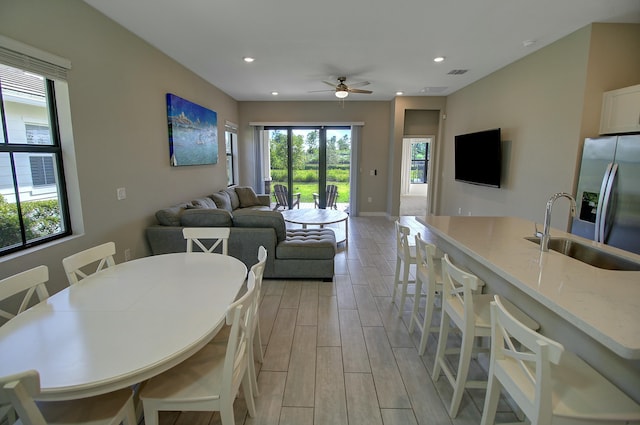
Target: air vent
433, 89
457, 71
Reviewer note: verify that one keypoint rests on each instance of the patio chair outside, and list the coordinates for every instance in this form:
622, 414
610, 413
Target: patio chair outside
332, 197
281, 194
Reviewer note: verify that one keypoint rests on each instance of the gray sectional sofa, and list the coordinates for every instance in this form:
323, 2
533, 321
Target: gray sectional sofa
294, 253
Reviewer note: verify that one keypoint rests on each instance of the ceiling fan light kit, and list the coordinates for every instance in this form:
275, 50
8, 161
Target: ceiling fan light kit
342, 90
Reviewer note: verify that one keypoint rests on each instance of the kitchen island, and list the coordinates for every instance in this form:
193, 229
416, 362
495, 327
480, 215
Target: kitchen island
591, 311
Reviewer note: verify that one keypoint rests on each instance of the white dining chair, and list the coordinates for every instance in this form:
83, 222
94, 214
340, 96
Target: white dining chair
550, 385
19, 391
256, 339
28, 283
210, 379
219, 235
405, 256
429, 277
468, 309
101, 254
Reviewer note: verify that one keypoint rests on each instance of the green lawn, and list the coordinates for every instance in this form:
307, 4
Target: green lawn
307, 190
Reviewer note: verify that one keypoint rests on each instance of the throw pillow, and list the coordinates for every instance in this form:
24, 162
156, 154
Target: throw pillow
233, 197
171, 216
204, 203
222, 200
247, 196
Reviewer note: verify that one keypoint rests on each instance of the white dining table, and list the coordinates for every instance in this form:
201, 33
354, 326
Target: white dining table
122, 325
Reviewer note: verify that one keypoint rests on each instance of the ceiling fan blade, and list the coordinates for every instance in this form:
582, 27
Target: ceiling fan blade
351, 90
330, 84
360, 84
318, 91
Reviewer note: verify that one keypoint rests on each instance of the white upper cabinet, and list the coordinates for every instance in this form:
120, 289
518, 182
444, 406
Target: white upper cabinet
621, 111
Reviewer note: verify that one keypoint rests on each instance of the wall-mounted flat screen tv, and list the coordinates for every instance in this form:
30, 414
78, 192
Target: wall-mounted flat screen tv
478, 158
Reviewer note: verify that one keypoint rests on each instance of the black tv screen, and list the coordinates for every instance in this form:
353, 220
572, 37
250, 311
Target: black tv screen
478, 158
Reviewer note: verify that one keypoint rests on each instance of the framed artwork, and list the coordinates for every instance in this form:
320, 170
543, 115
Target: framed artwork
193, 133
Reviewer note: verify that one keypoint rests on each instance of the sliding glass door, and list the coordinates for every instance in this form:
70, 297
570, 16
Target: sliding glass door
307, 159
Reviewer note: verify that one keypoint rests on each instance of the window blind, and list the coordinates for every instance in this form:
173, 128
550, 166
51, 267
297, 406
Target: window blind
23, 56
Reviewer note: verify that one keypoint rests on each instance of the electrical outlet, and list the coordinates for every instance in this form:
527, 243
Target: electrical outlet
459, 210
121, 192
369, 199
127, 254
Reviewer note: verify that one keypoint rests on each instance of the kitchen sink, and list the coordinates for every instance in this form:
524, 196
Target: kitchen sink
588, 254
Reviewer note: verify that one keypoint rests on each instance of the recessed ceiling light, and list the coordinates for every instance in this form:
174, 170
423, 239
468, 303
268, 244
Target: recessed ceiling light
248, 59
399, 93
438, 59
275, 93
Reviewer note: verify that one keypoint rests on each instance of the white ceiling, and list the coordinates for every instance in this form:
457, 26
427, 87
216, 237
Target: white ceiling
391, 43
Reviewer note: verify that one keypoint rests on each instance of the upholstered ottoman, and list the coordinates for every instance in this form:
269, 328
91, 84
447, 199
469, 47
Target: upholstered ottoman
312, 252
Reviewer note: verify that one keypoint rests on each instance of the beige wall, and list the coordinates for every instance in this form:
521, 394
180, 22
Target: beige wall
400, 106
546, 104
117, 88
537, 102
375, 133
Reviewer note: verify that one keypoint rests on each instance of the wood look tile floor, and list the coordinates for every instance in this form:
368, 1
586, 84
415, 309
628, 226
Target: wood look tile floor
336, 353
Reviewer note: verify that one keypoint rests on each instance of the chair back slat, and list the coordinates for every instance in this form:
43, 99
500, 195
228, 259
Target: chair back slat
19, 391
101, 254
30, 282
458, 288
428, 263
281, 193
240, 317
524, 358
219, 235
332, 196
402, 241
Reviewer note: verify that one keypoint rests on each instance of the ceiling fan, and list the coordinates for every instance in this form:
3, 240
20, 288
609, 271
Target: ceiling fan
342, 90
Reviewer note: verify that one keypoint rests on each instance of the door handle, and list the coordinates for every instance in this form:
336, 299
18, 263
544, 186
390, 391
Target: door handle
605, 203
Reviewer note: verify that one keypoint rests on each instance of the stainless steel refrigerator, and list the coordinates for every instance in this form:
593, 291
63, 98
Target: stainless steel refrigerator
608, 193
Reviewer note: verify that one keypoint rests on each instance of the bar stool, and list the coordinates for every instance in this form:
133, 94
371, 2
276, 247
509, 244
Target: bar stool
406, 255
469, 311
547, 382
429, 273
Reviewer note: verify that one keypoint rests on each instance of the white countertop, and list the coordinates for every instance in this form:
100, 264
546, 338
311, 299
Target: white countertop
604, 304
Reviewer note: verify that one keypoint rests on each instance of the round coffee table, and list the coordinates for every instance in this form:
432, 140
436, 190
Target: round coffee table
317, 217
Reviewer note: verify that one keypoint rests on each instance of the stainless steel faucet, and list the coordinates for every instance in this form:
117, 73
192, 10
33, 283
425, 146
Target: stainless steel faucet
544, 236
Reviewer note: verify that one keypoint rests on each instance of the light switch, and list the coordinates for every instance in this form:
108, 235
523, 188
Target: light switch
122, 193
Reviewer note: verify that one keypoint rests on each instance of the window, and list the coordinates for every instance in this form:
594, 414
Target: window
419, 162
230, 137
42, 172
33, 202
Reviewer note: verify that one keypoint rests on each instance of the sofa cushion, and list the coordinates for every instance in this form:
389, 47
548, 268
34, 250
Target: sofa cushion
222, 200
206, 218
171, 216
248, 197
233, 197
205, 202
308, 244
257, 218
